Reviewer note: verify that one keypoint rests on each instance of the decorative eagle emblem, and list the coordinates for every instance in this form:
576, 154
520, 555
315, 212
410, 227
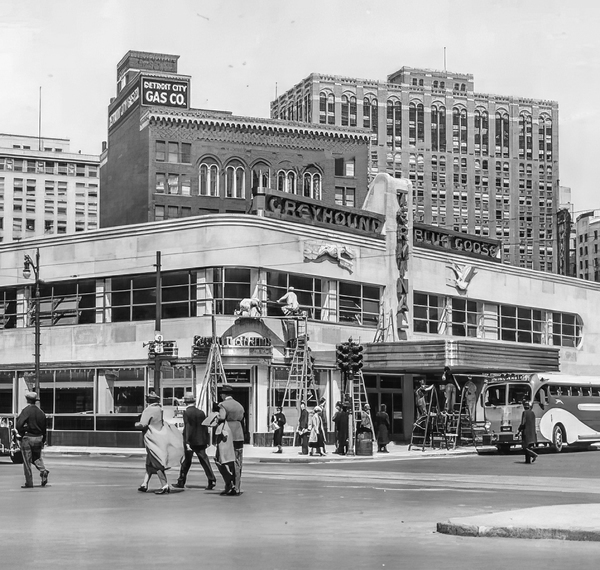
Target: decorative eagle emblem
463, 275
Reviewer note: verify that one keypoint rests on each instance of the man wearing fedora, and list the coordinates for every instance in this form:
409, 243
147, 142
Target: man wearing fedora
232, 412
195, 440
31, 426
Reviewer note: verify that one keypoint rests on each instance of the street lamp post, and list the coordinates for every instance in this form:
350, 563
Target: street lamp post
29, 266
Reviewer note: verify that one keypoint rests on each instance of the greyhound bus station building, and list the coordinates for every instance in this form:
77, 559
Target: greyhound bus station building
417, 298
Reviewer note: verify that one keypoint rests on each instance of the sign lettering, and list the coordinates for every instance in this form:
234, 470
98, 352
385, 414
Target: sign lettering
165, 92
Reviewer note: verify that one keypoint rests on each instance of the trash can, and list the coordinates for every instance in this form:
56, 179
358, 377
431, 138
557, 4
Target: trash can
364, 444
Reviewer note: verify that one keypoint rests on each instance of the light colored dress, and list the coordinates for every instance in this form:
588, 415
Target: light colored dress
162, 440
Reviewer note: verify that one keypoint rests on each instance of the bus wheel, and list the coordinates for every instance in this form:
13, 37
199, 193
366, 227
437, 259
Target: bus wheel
558, 438
503, 448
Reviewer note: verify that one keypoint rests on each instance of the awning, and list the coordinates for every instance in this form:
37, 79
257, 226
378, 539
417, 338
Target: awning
461, 355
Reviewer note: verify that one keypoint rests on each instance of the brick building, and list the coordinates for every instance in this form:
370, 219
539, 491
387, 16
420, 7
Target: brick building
165, 160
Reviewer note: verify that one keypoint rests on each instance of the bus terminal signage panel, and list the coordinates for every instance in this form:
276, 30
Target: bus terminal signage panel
434, 237
304, 210
156, 91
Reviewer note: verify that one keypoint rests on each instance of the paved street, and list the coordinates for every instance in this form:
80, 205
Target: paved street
350, 514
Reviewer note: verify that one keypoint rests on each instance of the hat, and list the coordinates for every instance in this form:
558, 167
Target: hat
526, 403
152, 397
31, 396
278, 408
225, 388
318, 409
291, 289
189, 398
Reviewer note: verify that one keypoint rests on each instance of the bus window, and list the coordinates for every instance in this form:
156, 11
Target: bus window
587, 391
576, 391
518, 392
596, 391
496, 396
556, 391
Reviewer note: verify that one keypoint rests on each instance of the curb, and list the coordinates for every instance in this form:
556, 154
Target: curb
536, 533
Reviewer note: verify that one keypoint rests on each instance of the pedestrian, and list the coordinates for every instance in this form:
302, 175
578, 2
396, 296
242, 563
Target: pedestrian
163, 442
303, 430
278, 421
340, 420
31, 426
232, 413
316, 438
224, 452
527, 431
196, 439
323, 406
365, 424
382, 423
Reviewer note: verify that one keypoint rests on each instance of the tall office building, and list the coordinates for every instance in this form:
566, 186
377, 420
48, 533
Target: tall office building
45, 188
588, 246
479, 163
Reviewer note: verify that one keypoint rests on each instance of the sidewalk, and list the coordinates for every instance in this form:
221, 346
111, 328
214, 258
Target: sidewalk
563, 522
265, 454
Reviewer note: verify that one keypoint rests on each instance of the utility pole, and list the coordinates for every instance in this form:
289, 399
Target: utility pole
157, 333
29, 266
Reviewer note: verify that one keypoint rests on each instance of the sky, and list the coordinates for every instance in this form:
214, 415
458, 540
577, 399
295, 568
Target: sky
240, 53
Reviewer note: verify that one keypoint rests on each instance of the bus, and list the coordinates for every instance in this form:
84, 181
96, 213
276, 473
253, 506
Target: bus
566, 408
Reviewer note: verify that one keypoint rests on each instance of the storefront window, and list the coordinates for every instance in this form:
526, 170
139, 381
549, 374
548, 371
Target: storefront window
6, 392
120, 391
175, 382
74, 392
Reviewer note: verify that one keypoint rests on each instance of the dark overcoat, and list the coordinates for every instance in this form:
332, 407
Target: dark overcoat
527, 428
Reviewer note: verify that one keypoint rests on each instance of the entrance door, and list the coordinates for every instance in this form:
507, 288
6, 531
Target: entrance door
242, 395
393, 404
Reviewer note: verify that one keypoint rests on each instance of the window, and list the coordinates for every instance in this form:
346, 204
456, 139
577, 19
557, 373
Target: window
521, 324
30, 225
426, 313
161, 152
345, 196
235, 176
344, 167
464, 317
159, 213
307, 289
161, 182
67, 303
327, 109
261, 176
566, 330
8, 308
209, 178
229, 285
312, 185
173, 183
286, 181
348, 111
416, 123
438, 128
359, 303
394, 124
120, 391
502, 134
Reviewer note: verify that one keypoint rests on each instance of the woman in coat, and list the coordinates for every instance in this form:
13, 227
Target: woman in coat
527, 431
316, 439
278, 421
382, 424
163, 442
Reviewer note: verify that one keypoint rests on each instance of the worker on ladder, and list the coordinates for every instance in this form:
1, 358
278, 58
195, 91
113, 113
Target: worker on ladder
291, 307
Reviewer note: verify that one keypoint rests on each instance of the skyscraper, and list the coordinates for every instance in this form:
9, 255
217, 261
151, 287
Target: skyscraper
479, 163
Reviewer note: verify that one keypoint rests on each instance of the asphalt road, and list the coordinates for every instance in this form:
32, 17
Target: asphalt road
355, 514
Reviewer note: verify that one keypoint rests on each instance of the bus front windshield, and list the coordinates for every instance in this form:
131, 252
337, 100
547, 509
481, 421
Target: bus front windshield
496, 395
519, 392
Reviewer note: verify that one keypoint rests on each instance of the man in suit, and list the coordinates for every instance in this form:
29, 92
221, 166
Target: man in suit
196, 439
31, 426
303, 430
232, 412
527, 431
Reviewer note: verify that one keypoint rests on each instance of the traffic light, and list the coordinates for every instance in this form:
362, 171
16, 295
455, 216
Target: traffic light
356, 358
343, 356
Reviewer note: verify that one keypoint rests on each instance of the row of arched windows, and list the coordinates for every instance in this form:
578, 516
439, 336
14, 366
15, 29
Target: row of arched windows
230, 181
